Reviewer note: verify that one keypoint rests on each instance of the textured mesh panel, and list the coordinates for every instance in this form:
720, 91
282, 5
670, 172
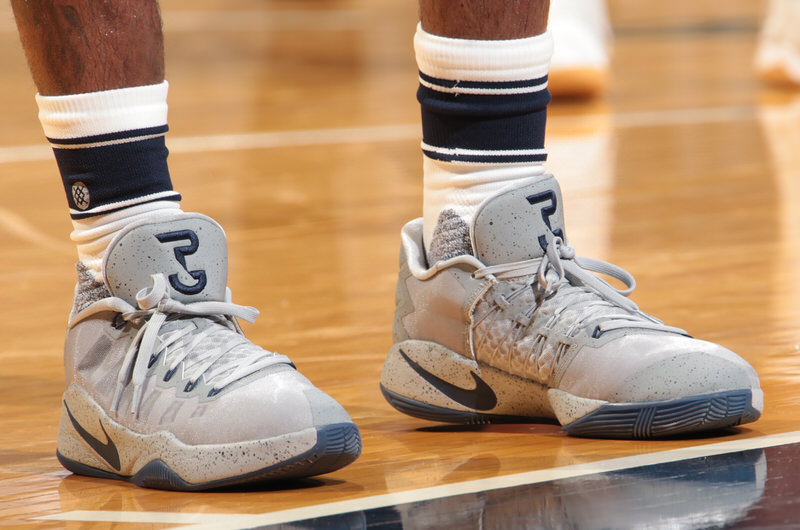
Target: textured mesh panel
450, 237
89, 290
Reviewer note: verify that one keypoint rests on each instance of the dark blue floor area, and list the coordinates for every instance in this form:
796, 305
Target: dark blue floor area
751, 489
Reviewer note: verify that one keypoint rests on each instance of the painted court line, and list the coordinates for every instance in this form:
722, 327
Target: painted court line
386, 133
19, 227
244, 141
195, 521
661, 118
207, 519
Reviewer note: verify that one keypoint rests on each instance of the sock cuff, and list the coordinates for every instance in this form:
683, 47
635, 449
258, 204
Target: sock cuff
101, 113
93, 235
483, 60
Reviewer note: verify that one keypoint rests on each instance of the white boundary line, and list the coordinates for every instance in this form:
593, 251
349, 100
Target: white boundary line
661, 118
238, 142
387, 133
201, 521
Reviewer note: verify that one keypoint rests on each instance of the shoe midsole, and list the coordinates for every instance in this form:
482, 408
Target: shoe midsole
429, 373
465, 382
126, 451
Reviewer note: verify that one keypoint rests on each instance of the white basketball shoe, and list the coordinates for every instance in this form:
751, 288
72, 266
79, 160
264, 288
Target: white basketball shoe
164, 390
778, 52
522, 330
582, 40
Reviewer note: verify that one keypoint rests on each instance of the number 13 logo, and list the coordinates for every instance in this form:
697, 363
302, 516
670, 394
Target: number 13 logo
180, 254
547, 212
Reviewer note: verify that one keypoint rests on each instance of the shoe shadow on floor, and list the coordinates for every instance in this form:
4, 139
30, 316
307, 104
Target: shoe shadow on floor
545, 427
77, 482
280, 485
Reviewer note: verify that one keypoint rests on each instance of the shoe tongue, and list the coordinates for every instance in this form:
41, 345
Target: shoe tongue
189, 250
518, 224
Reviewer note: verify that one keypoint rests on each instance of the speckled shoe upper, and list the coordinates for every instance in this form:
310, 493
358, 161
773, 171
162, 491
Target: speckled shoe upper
163, 363
528, 307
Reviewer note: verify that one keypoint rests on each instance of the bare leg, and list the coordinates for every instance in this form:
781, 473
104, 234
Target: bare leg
75, 47
484, 19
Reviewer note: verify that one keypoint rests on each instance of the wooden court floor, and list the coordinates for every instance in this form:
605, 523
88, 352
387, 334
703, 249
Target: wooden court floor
294, 123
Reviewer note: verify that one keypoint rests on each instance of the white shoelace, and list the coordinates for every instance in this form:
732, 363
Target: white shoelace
559, 267
179, 344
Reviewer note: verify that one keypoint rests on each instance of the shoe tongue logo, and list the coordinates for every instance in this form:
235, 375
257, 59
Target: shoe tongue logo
518, 224
181, 252
549, 201
189, 250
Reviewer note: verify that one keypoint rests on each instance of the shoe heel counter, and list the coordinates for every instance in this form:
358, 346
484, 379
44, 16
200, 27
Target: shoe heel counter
403, 303
68, 355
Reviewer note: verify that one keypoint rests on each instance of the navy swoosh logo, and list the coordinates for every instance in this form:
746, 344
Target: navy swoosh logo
107, 450
482, 397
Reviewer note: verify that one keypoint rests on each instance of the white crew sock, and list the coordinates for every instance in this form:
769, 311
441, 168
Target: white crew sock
110, 150
483, 112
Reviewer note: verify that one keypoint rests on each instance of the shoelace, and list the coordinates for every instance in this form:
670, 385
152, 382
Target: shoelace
157, 308
559, 267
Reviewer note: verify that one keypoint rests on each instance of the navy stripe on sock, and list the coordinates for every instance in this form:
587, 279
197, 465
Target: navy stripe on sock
131, 135
98, 178
485, 158
503, 133
491, 127
115, 207
482, 104
450, 84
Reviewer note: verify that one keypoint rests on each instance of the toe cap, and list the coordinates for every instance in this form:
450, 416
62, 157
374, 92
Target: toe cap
650, 367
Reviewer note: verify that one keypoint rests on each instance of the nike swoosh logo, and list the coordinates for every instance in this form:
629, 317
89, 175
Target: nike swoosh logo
482, 397
107, 450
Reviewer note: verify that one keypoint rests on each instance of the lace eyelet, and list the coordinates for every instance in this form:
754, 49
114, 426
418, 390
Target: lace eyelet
117, 323
153, 360
169, 374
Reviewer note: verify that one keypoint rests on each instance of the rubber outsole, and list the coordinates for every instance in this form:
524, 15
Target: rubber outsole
665, 418
337, 446
644, 420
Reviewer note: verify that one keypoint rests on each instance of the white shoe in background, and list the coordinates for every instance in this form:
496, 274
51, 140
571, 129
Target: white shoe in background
778, 54
582, 42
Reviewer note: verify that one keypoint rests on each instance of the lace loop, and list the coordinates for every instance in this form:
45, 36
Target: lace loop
560, 258
552, 260
598, 303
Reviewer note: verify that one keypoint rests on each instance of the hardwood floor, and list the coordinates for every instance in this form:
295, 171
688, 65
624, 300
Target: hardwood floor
295, 125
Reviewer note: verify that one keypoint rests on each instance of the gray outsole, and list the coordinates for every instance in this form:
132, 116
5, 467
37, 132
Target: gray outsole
337, 446
645, 420
665, 418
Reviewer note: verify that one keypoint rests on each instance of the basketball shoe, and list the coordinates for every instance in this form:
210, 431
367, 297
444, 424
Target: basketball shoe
164, 390
523, 330
581, 46
777, 57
